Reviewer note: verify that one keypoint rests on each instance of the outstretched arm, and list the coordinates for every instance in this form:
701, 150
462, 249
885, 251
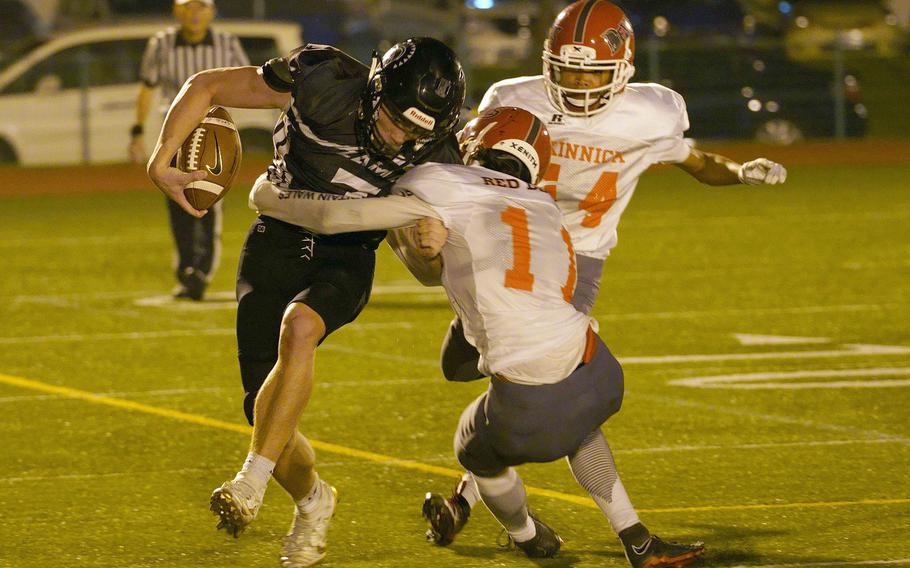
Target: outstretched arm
714, 169
327, 217
241, 87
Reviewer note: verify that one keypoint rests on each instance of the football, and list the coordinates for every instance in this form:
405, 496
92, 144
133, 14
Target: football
214, 147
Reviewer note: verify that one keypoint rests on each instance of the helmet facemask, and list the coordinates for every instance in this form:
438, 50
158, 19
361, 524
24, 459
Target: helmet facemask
584, 101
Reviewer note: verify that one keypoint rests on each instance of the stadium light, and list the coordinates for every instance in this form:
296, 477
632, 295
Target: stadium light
481, 4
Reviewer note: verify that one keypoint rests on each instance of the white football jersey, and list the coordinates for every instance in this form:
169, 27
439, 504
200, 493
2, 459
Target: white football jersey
597, 160
508, 269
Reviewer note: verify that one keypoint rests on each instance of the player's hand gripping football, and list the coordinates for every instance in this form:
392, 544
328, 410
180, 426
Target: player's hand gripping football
762, 171
172, 182
431, 235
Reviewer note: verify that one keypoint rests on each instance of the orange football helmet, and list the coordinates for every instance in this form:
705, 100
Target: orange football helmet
512, 130
588, 36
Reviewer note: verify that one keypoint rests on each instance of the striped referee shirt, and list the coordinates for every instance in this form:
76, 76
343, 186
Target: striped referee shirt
169, 60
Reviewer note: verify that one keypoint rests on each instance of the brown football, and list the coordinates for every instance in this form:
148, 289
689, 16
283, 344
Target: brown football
214, 147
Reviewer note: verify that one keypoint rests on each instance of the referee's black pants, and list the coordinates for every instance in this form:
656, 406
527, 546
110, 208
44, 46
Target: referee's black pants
198, 241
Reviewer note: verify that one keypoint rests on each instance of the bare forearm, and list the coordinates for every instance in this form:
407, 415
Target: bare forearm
239, 87
188, 108
427, 271
144, 103
711, 169
327, 217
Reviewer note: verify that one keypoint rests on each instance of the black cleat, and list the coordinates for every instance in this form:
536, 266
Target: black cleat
192, 285
656, 553
545, 543
446, 517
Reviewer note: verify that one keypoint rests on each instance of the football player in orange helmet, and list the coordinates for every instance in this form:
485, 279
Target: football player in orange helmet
588, 58
606, 132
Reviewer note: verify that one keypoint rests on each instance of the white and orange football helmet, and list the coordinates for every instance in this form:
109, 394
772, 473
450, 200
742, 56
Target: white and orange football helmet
588, 36
512, 130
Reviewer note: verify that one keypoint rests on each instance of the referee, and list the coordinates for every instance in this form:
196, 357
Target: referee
170, 58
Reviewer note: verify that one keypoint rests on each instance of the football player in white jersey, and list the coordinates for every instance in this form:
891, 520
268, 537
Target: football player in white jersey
509, 269
606, 132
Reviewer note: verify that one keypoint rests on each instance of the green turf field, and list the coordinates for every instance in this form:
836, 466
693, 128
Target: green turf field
120, 410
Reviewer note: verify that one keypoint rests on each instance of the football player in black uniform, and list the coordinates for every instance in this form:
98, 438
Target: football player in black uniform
347, 131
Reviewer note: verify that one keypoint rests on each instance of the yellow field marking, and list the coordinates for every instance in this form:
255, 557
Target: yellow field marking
389, 460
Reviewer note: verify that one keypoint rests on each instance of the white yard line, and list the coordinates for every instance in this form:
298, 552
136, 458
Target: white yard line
224, 299
767, 445
813, 424
846, 308
164, 334
849, 350
102, 240
777, 380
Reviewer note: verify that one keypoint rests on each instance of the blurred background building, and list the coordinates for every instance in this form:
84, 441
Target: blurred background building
777, 71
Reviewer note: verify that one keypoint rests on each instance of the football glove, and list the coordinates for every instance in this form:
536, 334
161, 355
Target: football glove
762, 171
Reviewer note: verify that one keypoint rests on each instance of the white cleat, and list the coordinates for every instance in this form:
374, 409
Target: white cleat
236, 504
304, 545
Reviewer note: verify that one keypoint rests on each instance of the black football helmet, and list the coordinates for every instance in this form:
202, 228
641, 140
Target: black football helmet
421, 85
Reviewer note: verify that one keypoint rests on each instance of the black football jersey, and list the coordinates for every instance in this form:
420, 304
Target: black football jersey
315, 139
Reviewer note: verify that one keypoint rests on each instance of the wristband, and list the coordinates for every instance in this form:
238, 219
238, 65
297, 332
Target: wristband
136, 130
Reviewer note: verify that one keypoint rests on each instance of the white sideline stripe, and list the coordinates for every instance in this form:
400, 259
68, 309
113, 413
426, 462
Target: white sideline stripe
224, 299
107, 241
871, 434
405, 288
850, 350
838, 563
366, 326
735, 381
751, 339
748, 311
124, 335
767, 445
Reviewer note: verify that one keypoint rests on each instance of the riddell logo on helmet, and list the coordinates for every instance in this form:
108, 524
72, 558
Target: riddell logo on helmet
421, 119
616, 37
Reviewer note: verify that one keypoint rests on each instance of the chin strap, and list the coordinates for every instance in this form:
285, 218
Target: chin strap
374, 65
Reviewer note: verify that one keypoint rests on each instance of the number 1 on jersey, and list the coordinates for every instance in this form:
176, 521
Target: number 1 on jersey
519, 276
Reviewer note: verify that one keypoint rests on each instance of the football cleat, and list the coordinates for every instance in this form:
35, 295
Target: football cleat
236, 504
545, 544
304, 545
446, 517
656, 553
192, 285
